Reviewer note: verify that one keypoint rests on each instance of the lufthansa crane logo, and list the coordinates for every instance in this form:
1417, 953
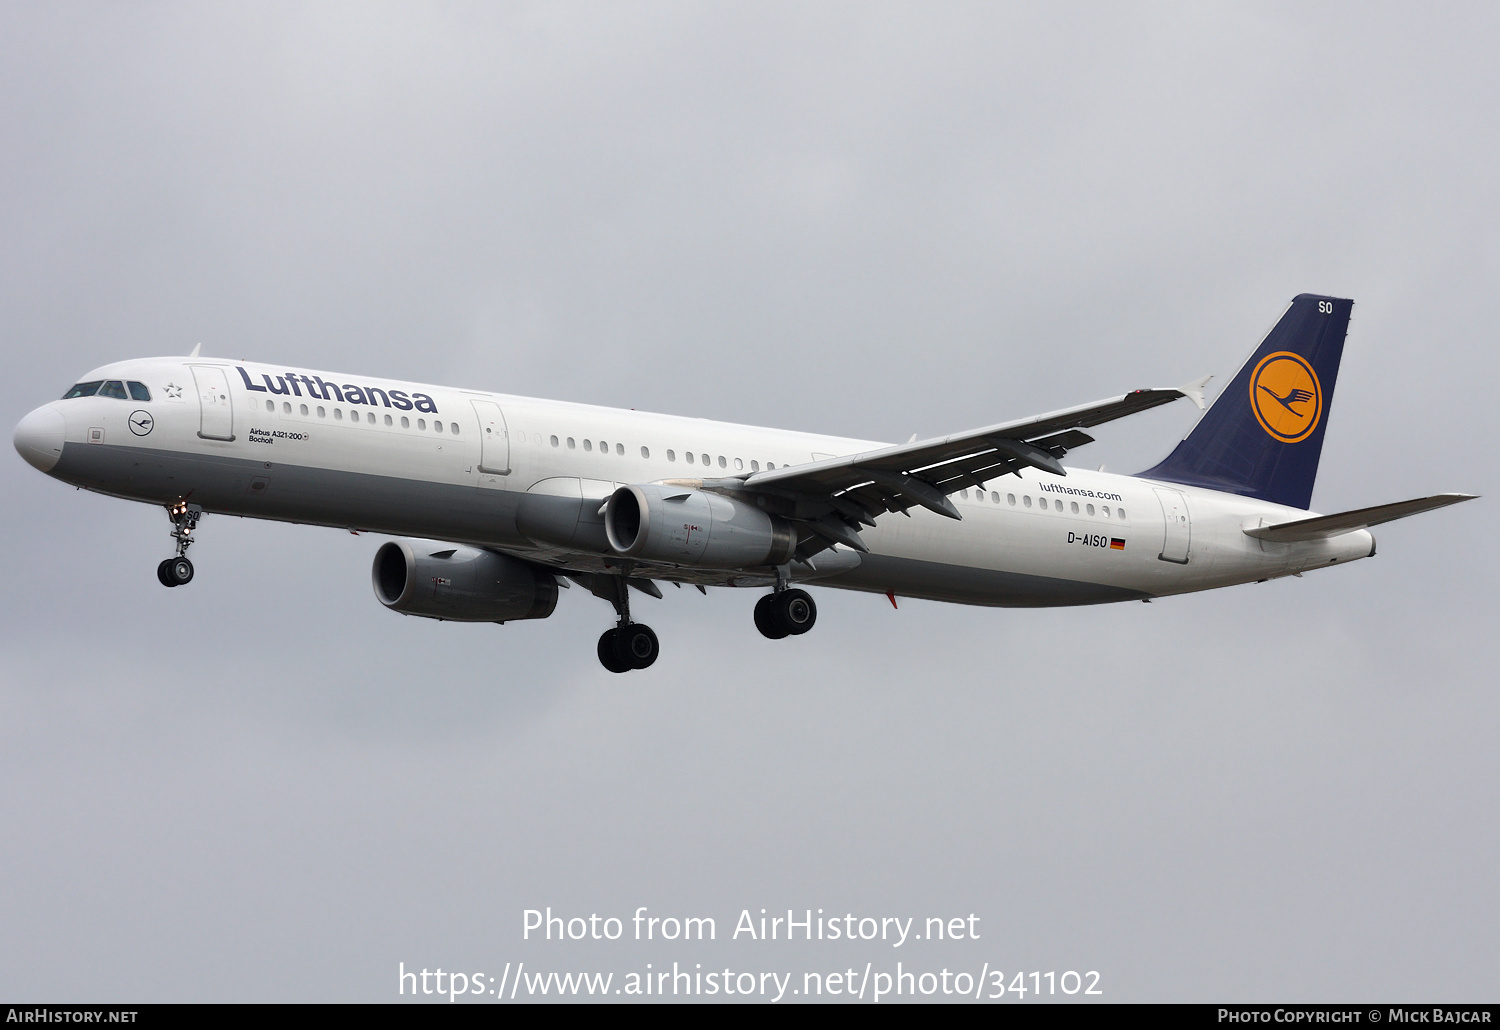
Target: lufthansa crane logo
1286, 396
141, 422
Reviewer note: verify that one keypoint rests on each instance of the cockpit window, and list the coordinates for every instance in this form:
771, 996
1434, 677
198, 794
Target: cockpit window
114, 388
138, 391
84, 390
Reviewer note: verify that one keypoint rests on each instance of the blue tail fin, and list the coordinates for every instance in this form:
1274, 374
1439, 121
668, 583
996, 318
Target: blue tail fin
1263, 436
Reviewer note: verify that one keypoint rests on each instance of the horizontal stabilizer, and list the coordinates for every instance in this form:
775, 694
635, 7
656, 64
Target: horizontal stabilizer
1323, 526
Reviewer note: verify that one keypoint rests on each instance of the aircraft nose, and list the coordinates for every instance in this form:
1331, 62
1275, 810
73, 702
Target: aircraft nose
39, 438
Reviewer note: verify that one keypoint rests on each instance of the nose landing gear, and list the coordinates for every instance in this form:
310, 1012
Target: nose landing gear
178, 571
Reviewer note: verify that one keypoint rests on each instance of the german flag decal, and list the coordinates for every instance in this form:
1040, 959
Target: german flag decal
1116, 544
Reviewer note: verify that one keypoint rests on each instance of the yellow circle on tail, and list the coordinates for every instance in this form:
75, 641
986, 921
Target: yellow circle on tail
1286, 396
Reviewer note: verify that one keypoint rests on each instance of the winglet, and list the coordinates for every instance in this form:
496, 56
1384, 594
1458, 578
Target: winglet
1194, 391
196, 348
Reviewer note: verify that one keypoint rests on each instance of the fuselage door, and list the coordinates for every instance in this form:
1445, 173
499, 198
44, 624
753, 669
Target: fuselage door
494, 439
216, 411
1175, 544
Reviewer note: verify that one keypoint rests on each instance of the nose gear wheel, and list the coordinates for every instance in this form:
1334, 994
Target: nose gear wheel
175, 572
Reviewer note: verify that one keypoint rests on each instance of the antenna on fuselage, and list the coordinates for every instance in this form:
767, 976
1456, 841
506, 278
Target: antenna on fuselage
196, 348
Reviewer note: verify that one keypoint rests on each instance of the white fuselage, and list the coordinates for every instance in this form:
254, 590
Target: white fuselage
414, 460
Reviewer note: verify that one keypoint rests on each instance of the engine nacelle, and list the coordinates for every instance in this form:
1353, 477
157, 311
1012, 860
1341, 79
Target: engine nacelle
689, 527
461, 584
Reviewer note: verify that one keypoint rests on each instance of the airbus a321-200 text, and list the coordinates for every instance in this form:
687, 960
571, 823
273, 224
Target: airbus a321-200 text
496, 501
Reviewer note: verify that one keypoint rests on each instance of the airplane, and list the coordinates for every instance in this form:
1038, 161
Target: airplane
497, 501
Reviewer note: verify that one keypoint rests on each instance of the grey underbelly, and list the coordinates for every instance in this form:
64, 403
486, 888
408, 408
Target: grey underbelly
293, 493
961, 584
478, 515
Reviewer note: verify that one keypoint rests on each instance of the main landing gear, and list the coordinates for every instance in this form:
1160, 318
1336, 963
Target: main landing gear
178, 571
785, 613
630, 645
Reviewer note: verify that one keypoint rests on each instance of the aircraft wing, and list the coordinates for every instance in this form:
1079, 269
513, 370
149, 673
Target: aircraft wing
834, 496
926, 471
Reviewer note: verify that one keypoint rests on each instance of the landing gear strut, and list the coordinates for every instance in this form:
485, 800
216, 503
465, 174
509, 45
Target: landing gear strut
178, 571
630, 645
785, 613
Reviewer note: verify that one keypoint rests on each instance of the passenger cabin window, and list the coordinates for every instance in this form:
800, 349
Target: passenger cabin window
114, 388
453, 428
286, 409
388, 420
554, 441
84, 390
1120, 512
620, 449
671, 454
270, 405
645, 453
705, 459
1075, 507
1026, 500
588, 445
338, 414
304, 410
138, 391
321, 412
1105, 509
405, 422
738, 464
437, 427
571, 444
1089, 508
688, 457
754, 465
421, 422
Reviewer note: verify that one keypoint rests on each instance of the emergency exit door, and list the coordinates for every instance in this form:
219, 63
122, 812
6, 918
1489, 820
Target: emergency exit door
494, 439
1178, 536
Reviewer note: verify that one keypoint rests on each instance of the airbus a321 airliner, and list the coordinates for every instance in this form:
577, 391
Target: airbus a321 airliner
499, 500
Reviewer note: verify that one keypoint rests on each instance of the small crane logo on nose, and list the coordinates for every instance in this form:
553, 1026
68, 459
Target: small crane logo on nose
141, 422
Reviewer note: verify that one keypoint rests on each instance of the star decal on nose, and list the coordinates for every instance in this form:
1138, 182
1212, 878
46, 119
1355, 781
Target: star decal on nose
174, 391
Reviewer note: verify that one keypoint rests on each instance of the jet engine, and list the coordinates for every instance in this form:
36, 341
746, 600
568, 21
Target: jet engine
461, 584
691, 527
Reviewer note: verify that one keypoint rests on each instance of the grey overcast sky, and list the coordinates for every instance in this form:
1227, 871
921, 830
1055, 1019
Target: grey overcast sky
870, 219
